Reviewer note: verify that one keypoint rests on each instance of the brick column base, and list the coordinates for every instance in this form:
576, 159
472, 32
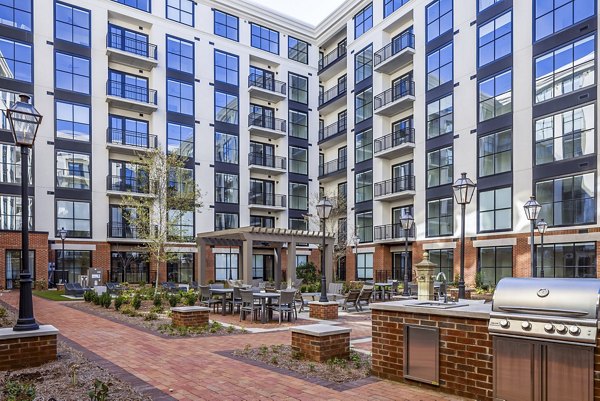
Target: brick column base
190, 316
27, 349
323, 310
321, 342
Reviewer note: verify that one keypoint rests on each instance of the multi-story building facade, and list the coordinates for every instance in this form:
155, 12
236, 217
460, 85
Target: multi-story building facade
383, 104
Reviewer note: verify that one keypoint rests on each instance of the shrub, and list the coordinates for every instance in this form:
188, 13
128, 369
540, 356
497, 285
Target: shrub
157, 309
16, 391
88, 296
190, 298
105, 300
151, 316
307, 272
100, 391
136, 302
118, 302
173, 300
157, 300
95, 299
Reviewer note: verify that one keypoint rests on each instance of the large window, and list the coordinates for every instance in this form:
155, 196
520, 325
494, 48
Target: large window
444, 260
13, 267
226, 221
495, 263
73, 121
364, 226
262, 221
129, 267
297, 50
180, 97
364, 186
16, 60
16, 13
7, 98
363, 146
226, 68
440, 220
439, 18
363, 64
495, 209
495, 39
128, 131
130, 41
143, 5
226, 148
389, 6
439, 167
72, 170
298, 124
226, 25
181, 11
483, 4
130, 86
440, 66
567, 201
76, 264
495, 96
565, 135
226, 266
264, 38
181, 226
72, 73
565, 70
226, 108
298, 224
440, 117
555, 15
298, 194
364, 266
495, 153
11, 213
298, 160
298, 88
227, 188
180, 139
180, 55
363, 21
75, 217
574, 260
180, 267
72, 24
10, 165
363, 105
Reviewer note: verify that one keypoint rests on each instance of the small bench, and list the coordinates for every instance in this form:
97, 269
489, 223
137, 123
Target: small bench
321, 342
189, 316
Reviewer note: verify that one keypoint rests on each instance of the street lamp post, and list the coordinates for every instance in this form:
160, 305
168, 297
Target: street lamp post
542, 226
464, 189
63, 234
532, 211
323, 210
24, 122
407, 221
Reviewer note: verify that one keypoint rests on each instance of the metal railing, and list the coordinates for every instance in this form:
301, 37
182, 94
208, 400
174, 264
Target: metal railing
121, 136
121, 230
137, 185
118, 40
333, 129
394, 139
332, 166
260, 120
395, 185
269, 84
260, 159
400, 90
392, 231
332, 93
267, 199
406, 40
337, 54
132, 92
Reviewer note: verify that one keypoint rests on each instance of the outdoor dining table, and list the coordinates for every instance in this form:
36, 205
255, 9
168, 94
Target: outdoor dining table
383, 286
264, 296
315, 296
222, 292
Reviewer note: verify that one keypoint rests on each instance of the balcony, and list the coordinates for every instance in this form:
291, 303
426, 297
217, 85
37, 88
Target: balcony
331, 64
269, 90
396, 144
130, 51
332, 170
129, 142
393, 233
395, 55
334, 133
117, 185
131, 97
122, 231
395, 100
333, 98
395, 189
266, 164
267, 202
266, 127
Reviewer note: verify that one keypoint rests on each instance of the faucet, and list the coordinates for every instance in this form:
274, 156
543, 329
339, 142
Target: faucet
444, 283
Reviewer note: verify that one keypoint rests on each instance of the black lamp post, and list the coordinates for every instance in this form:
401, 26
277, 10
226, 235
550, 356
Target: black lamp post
24, 122
532, 211
542, 226
407, 221
62, 233
323, 210
464, 189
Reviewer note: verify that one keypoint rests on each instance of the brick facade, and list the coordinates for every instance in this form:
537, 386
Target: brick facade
321, 348
323, 310
24, 352
38, 242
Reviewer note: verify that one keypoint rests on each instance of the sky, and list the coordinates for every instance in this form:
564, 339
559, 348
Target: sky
310, 11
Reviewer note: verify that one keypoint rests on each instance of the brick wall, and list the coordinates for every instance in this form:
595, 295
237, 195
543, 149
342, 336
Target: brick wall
18, 353
321, 349
38, 242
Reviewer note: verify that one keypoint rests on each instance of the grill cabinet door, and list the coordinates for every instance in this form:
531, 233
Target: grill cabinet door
569, 372
514, 369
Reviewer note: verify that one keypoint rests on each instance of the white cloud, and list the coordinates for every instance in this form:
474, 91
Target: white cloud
310, 11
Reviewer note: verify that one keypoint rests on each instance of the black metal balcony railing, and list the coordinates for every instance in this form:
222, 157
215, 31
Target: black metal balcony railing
117, 40
266, 199
395, 185
392, 231
266, 83
332, 93
400, 90
394, 139
133, 92
337, 127
337, 54
136, 139
260, 120
406, 40
260, 159
122, 230
136, 185
332, 167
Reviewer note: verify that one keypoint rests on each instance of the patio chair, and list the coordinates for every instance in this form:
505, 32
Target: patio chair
256, 282
351, 300
114, 288
262, 285
235, 300
298, 298
365, 296
193, 285
335, 288
217, 285
285, 304
297, 283
206, 298
283, 285
394, 290
248, 305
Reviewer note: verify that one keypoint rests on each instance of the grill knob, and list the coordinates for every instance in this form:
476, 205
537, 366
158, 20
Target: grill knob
526, 325
504, 324
574, 330
549, 327
561, 328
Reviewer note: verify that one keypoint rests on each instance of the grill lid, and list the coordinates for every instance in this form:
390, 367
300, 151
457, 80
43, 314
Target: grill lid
574, 298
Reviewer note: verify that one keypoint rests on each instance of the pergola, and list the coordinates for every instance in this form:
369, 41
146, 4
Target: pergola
276, 238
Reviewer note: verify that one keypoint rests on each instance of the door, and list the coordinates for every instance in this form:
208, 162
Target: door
402, 40
262, 78
263, 116
342, 121
515, 369
341, 84
402, 176
401, 86
341, 269
262, 192
262, 154
569, 372
342, 154
398, 263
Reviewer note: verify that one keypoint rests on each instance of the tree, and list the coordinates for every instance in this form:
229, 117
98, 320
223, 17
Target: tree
165, 215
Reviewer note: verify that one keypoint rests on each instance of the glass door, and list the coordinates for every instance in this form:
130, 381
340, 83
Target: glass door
262, 154
402, 176
401, 86
262, 78
262, 192
263, 116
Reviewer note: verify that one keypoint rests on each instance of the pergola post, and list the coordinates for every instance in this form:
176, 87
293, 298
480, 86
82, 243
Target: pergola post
202, 264
291, 263
247, 261
277, 253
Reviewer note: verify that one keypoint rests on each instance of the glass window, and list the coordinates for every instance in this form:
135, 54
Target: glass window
364, 266
225, 221
143, 5
364, 105
130, 41
574, 260
130, 86
363, 21
495, 209
128, 131
555, 15
227, 188
495, 96
389, 6
298, 160
439, 167
226, 108
495, 39
439, 18
181, 11
565, 70
439, 66
11, 213
72, 170
440, 117
262, 221
298, 88
181, 226
226, 148
180, 97
180, 55
483, 4
298, 224
363, 64
10, 165
73, 121
180, 139
444, 260
72, 73
495, 153
364, 226
298, 121
75, 217
129, 267
440, 218
13, 267
364, 186
363, 146
264, 38
565, 135
568, 200
226, 68
495, 263
180, 267
297, 50
226, 25
298, 196
181, 180
16, 13
226, 266
72, 24
7, 98
16, 60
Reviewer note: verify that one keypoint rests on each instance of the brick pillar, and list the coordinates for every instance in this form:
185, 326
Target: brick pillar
190, 316
323, 310
27, 349
320, 342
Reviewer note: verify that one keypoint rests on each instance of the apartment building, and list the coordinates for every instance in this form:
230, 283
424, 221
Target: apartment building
383, 105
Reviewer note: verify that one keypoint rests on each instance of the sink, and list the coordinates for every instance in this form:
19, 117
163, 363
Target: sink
438, 305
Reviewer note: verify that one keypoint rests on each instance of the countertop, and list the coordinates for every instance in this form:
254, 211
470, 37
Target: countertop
472, 309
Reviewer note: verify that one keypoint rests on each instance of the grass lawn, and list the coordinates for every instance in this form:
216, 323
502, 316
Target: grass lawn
52, 295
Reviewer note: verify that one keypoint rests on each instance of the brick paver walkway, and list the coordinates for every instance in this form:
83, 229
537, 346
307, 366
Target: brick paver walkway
191, 369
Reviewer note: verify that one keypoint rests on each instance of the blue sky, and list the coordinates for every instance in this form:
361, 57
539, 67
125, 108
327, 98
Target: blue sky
310, 11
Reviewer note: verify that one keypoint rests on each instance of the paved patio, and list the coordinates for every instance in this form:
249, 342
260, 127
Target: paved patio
195, 369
